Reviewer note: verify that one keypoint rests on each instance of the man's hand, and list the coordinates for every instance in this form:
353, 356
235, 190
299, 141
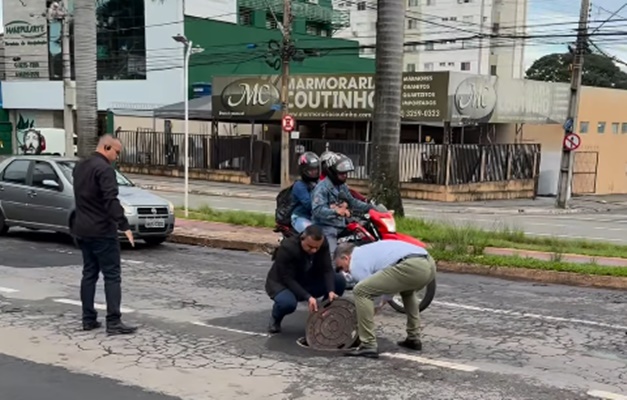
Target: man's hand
129, 236
332, 296
313, 305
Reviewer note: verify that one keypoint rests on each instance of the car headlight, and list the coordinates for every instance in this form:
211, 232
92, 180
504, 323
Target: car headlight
390, 224
128, 210
171, 207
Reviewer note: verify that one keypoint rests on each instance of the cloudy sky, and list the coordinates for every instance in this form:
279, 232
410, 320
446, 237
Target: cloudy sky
551, 17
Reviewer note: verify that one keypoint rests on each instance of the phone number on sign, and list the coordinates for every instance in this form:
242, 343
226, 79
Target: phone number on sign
420, 113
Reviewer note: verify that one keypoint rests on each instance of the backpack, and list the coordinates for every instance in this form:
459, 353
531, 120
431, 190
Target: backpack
284, 207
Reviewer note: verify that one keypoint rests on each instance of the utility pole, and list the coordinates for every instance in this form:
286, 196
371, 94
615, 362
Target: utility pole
286, 55
58, 12
566, 165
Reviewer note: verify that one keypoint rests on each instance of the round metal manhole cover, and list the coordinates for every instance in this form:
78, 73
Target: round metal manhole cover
333, 327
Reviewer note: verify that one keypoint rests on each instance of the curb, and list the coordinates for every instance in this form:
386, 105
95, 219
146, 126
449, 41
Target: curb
530, 275
241, 195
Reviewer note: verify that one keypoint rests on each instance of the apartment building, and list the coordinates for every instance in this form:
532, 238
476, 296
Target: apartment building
447, 34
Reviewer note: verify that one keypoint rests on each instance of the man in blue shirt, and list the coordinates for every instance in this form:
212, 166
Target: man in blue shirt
384, 268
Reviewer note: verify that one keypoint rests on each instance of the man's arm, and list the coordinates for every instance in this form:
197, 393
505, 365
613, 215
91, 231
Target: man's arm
354, 204
109, 188
324, 258
321, 209
285, 268
301, 194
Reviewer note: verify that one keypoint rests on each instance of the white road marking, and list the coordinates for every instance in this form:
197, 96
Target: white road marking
132, 262
435, 363
606, 395
8, 290
533, 316
96, 305
223, 328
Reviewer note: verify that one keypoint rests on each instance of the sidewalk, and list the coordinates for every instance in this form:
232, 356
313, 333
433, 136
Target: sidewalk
233, 237
540, 206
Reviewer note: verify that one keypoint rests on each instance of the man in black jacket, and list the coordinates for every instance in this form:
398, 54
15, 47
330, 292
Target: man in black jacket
301, 271
98, 218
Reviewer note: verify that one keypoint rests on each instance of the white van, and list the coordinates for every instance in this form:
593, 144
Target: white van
44, 141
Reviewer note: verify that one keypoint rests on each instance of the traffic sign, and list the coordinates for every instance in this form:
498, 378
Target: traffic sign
288, 123
572, 141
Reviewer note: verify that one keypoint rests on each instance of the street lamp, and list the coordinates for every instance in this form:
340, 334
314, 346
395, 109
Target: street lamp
188, 51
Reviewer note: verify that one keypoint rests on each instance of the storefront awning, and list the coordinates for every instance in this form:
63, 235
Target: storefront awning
199, 109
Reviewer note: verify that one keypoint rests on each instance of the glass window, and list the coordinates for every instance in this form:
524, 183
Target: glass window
67, 167
615, 126
601, 127
120, 41
624, 128
584, 126
465, 66
43, 171
16, 172
361, 6
411, 67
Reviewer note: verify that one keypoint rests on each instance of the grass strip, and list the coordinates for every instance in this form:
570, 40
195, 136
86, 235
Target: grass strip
457, 239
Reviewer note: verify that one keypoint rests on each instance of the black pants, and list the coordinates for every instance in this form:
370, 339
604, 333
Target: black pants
101, 255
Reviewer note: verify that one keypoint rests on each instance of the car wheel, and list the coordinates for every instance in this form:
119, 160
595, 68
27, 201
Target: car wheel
4, 228
155, 241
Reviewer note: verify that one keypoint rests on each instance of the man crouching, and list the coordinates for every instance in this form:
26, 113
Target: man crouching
384, 268
301, 271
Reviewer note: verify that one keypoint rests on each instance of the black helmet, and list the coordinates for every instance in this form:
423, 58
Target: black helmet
341, 165
309, 166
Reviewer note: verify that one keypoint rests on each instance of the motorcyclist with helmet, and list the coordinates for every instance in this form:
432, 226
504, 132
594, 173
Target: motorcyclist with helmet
309, 166
332, 199
328, 157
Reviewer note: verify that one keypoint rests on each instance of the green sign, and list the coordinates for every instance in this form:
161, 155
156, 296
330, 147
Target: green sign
327, 97
24, 30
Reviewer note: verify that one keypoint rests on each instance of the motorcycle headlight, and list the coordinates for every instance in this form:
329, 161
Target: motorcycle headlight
170, 207
128, 210
390, 224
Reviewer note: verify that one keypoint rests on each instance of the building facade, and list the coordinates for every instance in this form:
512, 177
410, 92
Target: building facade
446, 31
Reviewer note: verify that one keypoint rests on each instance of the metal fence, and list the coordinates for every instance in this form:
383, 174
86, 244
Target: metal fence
457, 164
359, 152
164, 149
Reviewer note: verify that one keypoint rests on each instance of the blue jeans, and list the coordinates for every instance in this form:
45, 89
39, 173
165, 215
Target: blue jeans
101, 255
300, 223
330, 233
285, 302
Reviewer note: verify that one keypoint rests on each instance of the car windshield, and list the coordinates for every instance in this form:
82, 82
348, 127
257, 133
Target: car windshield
68, 166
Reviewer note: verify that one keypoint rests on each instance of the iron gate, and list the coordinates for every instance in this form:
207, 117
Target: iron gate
585, 167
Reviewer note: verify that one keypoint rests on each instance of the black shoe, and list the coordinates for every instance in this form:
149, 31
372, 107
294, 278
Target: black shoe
119, 328
411, 344
274, 326
92, 325
368, 352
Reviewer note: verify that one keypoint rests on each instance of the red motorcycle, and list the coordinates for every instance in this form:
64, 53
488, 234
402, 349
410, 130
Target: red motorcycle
377, 224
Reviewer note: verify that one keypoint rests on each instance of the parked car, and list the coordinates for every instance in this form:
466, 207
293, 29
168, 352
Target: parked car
36, 192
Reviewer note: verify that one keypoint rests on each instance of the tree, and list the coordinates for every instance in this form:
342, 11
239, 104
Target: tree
598, 70
85, 32
384, 186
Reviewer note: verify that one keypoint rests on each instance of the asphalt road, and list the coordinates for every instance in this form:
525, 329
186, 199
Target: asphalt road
202, 316
606, 227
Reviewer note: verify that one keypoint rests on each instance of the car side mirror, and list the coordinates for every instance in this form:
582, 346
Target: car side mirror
51, 184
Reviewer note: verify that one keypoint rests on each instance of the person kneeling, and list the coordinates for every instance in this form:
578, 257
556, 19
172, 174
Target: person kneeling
384, 268
301, 271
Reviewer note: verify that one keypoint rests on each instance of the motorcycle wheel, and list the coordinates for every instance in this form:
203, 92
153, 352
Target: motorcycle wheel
426, 296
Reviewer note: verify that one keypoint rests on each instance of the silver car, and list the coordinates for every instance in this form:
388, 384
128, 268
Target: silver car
36, 192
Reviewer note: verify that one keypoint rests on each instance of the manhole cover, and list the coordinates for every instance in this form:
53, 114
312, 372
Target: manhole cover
333, 327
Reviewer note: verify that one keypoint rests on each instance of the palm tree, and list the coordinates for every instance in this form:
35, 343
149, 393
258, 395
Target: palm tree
85, 33
384, 186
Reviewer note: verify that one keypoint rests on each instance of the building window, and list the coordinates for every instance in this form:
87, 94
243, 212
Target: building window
615, 126
623, 128
411, 67
429, 46
311, 29
120, 42
493, 70
428, 66
361, 6
451, 64
467, 18
412, 24
430, 2
413, 3
601, 127
271, 21
465, 66
442, 64
245, 16
584, 126
453, 18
